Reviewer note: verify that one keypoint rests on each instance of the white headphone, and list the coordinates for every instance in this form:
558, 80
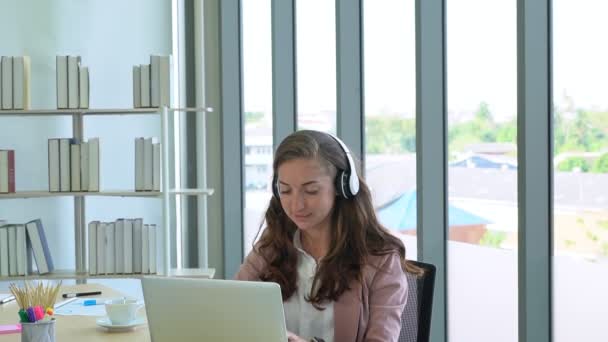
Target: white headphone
346, 182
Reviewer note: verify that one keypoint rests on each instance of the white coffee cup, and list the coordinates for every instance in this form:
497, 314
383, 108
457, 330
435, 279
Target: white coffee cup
122, 311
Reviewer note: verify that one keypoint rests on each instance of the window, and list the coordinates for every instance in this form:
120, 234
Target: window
316, 64
482, 170
257, 90
390, 108
580, 161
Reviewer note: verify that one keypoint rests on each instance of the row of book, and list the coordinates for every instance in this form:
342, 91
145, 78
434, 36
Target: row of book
15, 82
125, 246
7, 171
147, 164
72, 83
73, 165
18, 242
151, 82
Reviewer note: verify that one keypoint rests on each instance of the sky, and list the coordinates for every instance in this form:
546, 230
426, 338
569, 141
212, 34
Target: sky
481, 55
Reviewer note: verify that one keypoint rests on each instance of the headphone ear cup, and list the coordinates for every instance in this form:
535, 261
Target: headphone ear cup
275, 187
346, 181
342, 187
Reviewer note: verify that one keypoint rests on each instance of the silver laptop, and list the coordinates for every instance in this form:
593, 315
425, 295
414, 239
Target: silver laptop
213, 310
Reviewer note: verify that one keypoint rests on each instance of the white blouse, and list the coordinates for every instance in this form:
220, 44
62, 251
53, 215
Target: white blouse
301, 317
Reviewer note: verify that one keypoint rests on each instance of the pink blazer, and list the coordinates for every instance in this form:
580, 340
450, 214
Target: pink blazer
370, 311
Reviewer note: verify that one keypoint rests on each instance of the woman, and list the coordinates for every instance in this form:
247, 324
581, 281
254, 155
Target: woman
340, 271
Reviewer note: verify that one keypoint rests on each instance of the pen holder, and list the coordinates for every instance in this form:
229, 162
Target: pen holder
41, 331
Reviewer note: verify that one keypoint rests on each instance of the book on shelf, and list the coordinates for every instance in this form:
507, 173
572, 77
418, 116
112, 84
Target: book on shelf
155, 80
64, 164
7, 171
94, 164
126, 246
21, 82
15, 257
93, 247
127, 256
61, 86
152, 83
137, 245
83, 87
139, 164
119, 246
156, 167
73, 85
159, 80
144, 73
84, 166
54, 174
4, 263
165, 81
145, 249
75, 167
24, 256
39, 246
101, 248
148, 164
110, 264
12, 250
152, 248
6, 84
136, 86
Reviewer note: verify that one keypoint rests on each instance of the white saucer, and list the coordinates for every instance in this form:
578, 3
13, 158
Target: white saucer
106, 323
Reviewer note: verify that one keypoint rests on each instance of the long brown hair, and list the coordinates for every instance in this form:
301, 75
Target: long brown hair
356, 233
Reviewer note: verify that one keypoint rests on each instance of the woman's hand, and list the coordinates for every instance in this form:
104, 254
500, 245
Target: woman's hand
291, 337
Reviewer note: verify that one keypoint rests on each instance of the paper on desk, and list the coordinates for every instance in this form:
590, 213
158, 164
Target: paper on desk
77, 308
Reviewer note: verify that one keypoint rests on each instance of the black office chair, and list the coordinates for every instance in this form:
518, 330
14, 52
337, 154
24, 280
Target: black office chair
416, 317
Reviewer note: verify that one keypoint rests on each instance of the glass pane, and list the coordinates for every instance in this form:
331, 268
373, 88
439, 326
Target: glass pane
257, 91
580, 161
316, 64
390, 108
482, 170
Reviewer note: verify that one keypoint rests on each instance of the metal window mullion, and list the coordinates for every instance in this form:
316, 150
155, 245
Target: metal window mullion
232, 132
535, 185
284, 96
431, 151
349, 74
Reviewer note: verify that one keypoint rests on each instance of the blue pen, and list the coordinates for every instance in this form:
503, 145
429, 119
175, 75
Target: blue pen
89, 302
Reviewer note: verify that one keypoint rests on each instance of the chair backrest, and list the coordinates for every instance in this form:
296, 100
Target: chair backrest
416, 317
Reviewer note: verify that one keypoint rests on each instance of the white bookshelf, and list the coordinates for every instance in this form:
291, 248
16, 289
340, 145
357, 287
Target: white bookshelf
166, 194
108, 193
59, 112
72, 274
114, 111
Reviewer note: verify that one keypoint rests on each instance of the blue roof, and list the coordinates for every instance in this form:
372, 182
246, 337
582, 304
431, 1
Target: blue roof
401, 214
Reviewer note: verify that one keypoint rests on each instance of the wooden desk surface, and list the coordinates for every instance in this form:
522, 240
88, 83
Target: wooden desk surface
79, 328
